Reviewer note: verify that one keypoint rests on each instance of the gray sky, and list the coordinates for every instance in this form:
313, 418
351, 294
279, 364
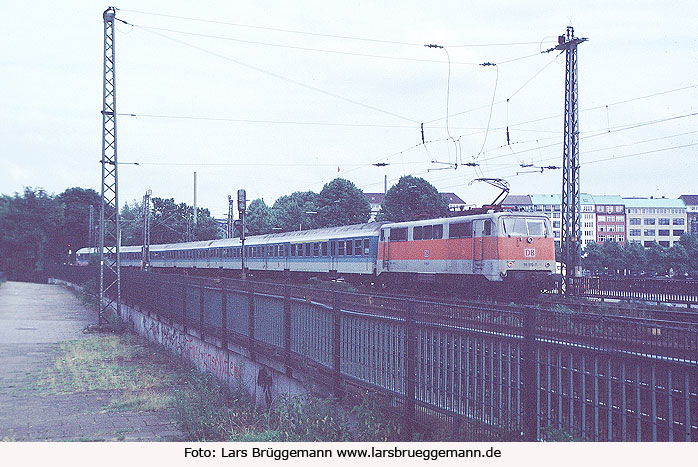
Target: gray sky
285, 118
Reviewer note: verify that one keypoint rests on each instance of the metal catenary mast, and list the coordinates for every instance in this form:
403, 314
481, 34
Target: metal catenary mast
145, 253
109, 229
571, 232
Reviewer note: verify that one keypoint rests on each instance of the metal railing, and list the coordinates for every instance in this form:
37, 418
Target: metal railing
485, 371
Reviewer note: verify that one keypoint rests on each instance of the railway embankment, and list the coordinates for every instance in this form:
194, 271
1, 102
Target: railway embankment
59, 383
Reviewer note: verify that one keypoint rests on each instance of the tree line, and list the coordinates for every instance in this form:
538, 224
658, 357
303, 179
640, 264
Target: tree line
633, 258
37, 228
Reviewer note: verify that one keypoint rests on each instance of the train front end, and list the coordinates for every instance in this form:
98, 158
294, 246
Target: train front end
526, 251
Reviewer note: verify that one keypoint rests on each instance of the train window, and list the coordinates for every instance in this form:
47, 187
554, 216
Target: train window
488, 227
300, 249
366, 246
357, 247
398, 234
324, 248
333, 248
382, 239
460, 230
341, 248
536, 228
307, 249
417, 232
438, 232
316, 249
426, 235
293, 250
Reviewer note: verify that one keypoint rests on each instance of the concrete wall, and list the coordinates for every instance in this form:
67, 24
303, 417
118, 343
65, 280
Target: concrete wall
265, 379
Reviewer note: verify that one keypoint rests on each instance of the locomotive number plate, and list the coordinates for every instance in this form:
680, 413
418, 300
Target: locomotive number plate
530, 252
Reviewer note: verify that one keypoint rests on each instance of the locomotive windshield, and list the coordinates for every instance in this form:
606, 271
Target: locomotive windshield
525, 227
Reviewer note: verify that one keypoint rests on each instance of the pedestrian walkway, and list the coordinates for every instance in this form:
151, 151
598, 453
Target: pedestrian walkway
34, 320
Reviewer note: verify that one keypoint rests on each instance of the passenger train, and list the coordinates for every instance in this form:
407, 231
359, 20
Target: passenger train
512, 249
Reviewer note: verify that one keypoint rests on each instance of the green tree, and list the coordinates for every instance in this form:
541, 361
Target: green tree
132, 223
612, 256
656, 259
593, 258
171, 222
341, 203
634, 257
259, 218
677, 259
690, 243
27, 224
297, 210
75, 228
410, 199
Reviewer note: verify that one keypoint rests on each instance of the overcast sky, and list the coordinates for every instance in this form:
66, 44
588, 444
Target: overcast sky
285, 96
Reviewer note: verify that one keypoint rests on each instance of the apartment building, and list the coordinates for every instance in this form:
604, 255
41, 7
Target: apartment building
660, 220
691, 202
610, 219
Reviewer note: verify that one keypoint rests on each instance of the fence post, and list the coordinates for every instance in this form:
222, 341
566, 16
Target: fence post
170, 300
224, 316
287, 329
184, 305
529, 392
201, 307
336, 330
250, 321
411, 348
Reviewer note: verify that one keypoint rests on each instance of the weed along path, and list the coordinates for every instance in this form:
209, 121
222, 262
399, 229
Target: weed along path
58, 383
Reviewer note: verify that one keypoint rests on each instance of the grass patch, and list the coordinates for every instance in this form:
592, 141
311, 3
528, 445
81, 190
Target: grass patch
139, 374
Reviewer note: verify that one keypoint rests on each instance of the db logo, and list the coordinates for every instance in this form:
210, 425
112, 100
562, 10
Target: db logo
529, 252
426, 253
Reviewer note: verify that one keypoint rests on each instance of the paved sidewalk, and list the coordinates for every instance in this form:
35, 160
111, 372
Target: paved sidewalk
34, 319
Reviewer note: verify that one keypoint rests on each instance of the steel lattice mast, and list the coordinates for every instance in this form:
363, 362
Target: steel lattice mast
109, 229
145, 251
571, 232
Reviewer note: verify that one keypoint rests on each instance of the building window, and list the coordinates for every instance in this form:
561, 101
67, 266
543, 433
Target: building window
635, 221
602, 228
663, 233
602, 238
556, 233
635, 232
556, 224
664, 243
649, 221
663, 221
602, 219
620, 239
648, 243
678, 221
620, 228
649, 233
678, 233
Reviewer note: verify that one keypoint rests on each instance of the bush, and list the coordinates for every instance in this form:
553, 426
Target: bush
372, 424
307, 418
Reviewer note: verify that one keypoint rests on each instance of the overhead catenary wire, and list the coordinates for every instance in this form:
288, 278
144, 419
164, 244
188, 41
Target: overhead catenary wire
310, 33
279, 76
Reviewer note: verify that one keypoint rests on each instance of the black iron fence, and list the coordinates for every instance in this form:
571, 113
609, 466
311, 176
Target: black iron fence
639, 288
486, 371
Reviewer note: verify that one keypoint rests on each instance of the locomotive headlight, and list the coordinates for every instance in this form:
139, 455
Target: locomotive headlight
510, 264
530, 239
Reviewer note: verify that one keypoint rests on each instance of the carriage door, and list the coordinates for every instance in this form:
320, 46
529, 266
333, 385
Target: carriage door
478, 248
384, 238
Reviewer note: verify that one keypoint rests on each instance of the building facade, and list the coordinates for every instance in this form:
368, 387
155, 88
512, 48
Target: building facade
691, 202
610, 219
658, 220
